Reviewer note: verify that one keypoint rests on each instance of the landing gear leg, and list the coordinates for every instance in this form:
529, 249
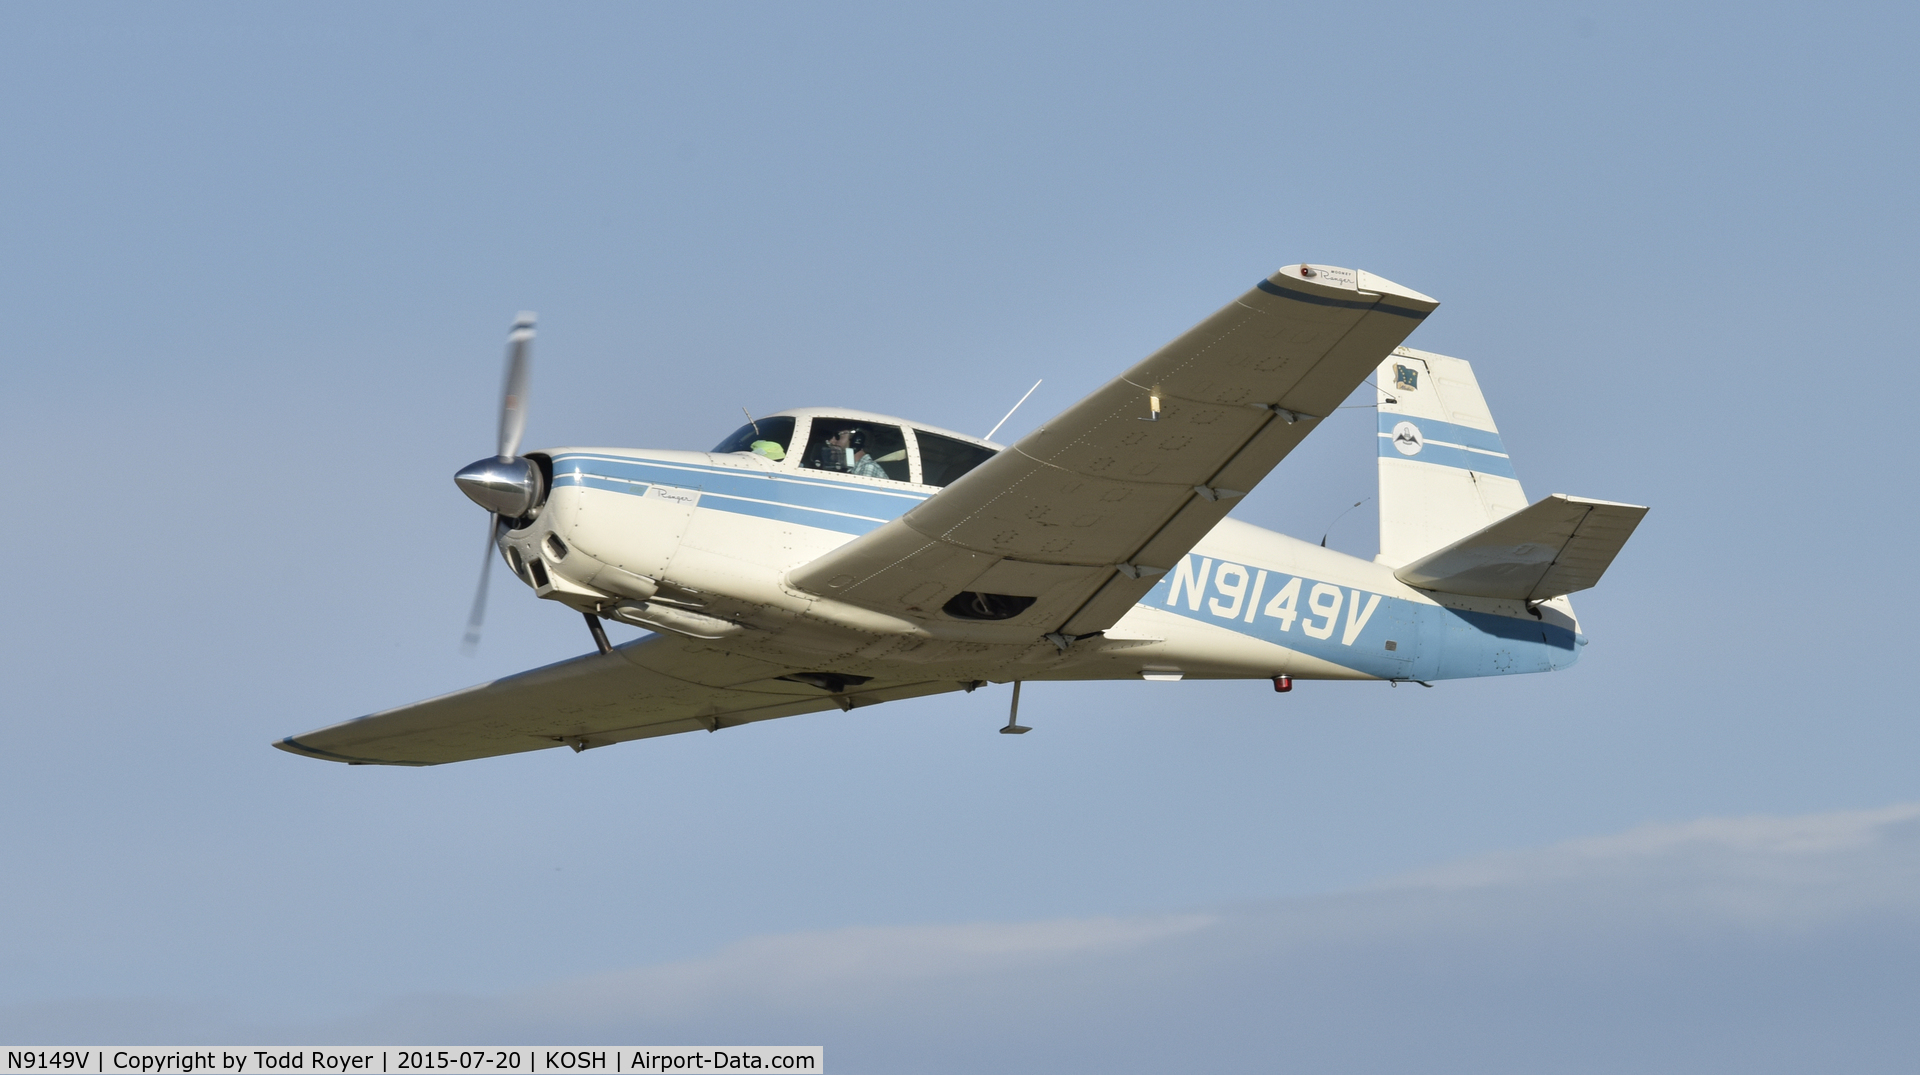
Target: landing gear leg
1013, 726
599, 635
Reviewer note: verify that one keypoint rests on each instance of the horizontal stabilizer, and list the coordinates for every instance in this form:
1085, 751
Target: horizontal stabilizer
1557, 546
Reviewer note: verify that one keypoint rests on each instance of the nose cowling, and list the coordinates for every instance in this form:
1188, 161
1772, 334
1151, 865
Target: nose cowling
510, 488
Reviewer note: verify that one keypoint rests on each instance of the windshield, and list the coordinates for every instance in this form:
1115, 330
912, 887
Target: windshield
769, 437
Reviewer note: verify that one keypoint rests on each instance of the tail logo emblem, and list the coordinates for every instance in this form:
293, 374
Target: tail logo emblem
1406, 377
1406, 439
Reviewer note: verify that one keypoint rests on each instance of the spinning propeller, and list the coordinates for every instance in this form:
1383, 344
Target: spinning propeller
507, 484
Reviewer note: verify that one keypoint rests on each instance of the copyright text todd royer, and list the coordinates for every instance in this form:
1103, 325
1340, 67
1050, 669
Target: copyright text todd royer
379, 1060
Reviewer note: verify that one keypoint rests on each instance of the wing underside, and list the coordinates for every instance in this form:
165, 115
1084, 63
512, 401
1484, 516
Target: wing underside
659, 685
1085, 512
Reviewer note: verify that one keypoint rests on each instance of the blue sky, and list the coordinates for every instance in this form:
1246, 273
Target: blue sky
259, 262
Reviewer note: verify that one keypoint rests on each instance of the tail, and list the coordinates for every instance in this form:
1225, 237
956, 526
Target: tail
1444, 473
1453, 517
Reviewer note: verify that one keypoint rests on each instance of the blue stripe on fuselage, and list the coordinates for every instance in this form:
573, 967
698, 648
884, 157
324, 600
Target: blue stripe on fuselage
826, 503
1430, 641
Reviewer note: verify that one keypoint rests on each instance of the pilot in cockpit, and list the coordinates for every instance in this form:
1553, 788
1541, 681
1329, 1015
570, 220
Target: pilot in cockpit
849, 448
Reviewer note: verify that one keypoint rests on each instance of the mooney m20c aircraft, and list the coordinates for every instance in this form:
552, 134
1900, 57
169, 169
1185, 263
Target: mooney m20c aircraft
827, 558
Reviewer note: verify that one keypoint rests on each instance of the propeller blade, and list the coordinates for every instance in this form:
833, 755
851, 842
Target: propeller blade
479, 613
513, 402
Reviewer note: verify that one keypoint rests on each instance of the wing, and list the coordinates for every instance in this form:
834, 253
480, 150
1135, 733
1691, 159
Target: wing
1083, 513
655, 686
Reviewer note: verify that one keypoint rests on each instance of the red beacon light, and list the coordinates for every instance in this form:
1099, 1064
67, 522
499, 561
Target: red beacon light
1282, 684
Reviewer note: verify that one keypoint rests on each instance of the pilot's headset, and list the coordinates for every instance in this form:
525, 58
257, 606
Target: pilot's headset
855, 444
833, 457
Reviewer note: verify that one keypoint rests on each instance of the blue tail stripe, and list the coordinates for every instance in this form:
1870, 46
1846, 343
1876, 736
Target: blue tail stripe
1435, 429
1442, 455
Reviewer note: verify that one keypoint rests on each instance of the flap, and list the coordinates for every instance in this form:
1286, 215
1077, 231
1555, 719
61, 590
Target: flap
1112, 495
1557, 546
594, 701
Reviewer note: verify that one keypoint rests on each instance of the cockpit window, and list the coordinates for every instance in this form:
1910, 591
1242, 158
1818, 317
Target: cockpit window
943, 459
851, 446
769, 437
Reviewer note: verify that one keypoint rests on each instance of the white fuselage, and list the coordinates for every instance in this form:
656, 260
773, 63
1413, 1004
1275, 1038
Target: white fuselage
700, 544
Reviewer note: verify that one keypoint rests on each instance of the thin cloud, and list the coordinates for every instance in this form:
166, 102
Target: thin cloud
1730, 944
832, 968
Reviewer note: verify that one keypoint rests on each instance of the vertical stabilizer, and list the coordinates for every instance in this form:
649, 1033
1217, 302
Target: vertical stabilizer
1443, 470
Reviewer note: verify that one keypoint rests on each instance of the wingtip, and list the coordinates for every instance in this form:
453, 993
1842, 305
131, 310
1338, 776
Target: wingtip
1336, 279
1380, 285
295, 747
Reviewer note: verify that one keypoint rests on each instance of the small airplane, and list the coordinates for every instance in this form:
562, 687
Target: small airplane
827, 558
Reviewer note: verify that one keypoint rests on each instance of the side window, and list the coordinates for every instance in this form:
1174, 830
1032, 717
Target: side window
943, 459
769, 437
851, 446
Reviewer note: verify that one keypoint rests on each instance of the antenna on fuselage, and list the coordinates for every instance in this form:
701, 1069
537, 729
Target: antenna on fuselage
1003, 421
750, 421
1337, 518
1014, 727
